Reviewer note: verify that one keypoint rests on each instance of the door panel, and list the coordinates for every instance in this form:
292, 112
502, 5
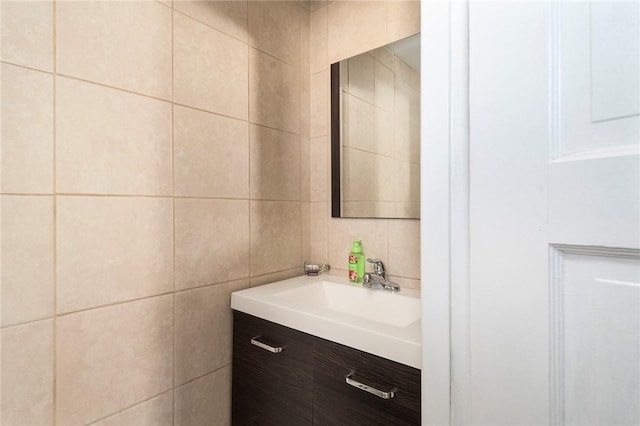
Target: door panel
595, 301
615, 87
595, 201
554, 168
595, 63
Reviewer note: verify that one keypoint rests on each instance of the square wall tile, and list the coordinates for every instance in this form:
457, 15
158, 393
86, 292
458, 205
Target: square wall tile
355, 27
274, 28
211, 155
111, 142
276, 276
413, 284
26, 33
318, 41
274, 90
27, 374
27, 258
120, 44
275, 236
230, 17
305, 173
403, 19
110, 358
372, 232
212, 241
275, 164
404, 248
317, 4
206, 401
319, 109
112, 249
318, 232
209, 68
319, 164
27, 130
305, 76
305, 232
203, 330
157, 411
305, 107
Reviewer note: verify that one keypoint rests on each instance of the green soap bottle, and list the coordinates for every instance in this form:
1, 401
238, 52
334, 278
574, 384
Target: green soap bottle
356, 262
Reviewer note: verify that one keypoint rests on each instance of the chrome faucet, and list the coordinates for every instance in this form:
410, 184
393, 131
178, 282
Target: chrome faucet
378, 280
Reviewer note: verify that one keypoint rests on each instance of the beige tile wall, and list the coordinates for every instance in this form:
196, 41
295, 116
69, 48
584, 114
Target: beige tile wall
155, 158
339, 30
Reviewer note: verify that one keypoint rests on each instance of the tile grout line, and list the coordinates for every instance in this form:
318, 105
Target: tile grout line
112, 304
156, 197
120, 89
93, 422
300, 142
139, 299
247, 42
147, 96
25, 67
249, 102
202, 376
54, 396
219, 114
179, 12
266, 126
29, 322
326, 67
173, 217
18, 194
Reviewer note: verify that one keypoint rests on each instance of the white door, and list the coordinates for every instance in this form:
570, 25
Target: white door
554, 224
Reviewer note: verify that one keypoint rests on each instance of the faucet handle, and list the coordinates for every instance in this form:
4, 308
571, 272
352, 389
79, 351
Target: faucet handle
378, 266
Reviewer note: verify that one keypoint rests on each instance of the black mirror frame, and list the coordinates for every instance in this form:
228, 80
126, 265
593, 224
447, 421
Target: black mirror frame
335, 140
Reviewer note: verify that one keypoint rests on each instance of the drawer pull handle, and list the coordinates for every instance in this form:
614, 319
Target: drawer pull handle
377, 392
272, 349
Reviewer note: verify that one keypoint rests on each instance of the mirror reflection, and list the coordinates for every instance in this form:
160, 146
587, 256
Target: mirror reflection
375, 120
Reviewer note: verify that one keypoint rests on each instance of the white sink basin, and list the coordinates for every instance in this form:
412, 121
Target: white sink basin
376, 321
379, 306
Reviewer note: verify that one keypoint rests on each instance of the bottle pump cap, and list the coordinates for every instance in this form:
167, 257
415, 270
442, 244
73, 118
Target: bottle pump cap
357, 246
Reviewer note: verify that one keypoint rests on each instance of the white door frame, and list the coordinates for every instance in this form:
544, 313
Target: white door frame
444, 215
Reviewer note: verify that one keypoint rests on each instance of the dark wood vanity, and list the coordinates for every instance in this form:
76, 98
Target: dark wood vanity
282, 376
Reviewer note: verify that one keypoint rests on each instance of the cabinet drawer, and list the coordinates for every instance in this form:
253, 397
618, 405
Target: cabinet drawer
271, 388
338, 403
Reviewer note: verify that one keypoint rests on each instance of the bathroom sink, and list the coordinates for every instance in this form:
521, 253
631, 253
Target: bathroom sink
383, 323
373, 305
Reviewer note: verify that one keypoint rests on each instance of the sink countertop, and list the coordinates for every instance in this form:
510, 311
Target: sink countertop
375, 321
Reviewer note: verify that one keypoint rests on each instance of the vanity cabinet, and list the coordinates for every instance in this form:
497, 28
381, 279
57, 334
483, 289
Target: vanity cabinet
306, 382
335, 402
270, 388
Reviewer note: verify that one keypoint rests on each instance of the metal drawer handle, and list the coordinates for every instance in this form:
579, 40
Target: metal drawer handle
273, 349
377, 392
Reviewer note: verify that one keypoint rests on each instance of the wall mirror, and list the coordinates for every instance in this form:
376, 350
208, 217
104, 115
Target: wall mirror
375, 133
